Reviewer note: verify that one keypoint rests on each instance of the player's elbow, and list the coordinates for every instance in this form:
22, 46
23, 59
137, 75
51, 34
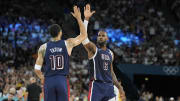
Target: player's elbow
83, 36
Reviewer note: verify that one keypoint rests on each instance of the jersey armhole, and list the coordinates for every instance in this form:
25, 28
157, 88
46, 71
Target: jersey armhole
94, 54
112, 54
66, 46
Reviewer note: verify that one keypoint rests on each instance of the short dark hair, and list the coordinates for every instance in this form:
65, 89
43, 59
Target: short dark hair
54, 29
102, 30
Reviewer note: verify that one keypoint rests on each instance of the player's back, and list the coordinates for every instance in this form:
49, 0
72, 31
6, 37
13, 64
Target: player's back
56, 59
100, 66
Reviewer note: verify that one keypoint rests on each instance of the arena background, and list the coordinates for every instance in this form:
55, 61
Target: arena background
144, 35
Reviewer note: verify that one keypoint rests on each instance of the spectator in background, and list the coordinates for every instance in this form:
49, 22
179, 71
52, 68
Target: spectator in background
11, 95
178, 98
33, 91
1, 87
142, 19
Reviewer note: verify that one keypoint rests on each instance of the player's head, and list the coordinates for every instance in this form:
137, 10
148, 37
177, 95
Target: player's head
102, 38
32, 80
55, 31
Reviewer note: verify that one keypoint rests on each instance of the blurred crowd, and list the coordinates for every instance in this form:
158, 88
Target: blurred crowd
160, 40
148, 96
14, 82
21, 35
160, 44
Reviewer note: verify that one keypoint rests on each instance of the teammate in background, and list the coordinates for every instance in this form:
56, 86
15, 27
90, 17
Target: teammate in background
55, 54
33, 91
101, 69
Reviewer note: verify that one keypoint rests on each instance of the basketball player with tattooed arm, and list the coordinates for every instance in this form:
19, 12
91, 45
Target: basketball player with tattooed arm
101, 59
55, 54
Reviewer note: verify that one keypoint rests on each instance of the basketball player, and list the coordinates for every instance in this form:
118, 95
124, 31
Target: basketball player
55, 54
101, 69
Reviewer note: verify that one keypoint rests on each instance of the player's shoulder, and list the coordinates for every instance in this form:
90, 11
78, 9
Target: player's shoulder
43, 46
69, 41
111, 52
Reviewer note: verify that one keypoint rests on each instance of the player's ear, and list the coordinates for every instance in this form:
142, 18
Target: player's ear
107, 38
60, 33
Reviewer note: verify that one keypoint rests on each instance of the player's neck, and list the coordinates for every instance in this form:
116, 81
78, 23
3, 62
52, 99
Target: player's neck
103, 47
55, 39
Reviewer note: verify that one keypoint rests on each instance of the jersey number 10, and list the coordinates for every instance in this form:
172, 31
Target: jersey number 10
57, 62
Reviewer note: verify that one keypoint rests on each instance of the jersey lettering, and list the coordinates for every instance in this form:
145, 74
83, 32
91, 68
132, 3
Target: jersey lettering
105, 57
57, 62
105, 65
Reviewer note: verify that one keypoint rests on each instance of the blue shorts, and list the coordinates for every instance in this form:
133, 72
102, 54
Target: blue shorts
56, 88
99, 91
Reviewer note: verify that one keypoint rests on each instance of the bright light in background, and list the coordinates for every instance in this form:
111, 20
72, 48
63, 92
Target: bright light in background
146, 78
120, 38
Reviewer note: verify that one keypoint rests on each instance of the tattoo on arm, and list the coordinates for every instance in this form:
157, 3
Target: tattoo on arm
115, 81
42, 50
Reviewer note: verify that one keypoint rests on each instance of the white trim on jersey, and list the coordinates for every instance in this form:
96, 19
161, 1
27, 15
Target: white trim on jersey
66, 47
94, 54
94, 62
91, 90
94, 68
65, 44
112, 54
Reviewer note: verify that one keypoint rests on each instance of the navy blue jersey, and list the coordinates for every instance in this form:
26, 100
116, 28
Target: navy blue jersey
100, 66
56, 59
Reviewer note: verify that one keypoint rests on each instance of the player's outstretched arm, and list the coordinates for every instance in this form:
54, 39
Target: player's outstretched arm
89, 46
118, 84
39, 62
115, 81
72, 42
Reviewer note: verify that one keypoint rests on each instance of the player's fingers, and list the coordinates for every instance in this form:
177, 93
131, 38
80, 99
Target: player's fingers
72, 14
78, 10
93, 12
84, 8
75, 8
123, 98
88, 6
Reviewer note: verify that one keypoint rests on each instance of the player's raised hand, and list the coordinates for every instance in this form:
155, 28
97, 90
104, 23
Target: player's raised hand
87, 12
77, 13
122, 95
